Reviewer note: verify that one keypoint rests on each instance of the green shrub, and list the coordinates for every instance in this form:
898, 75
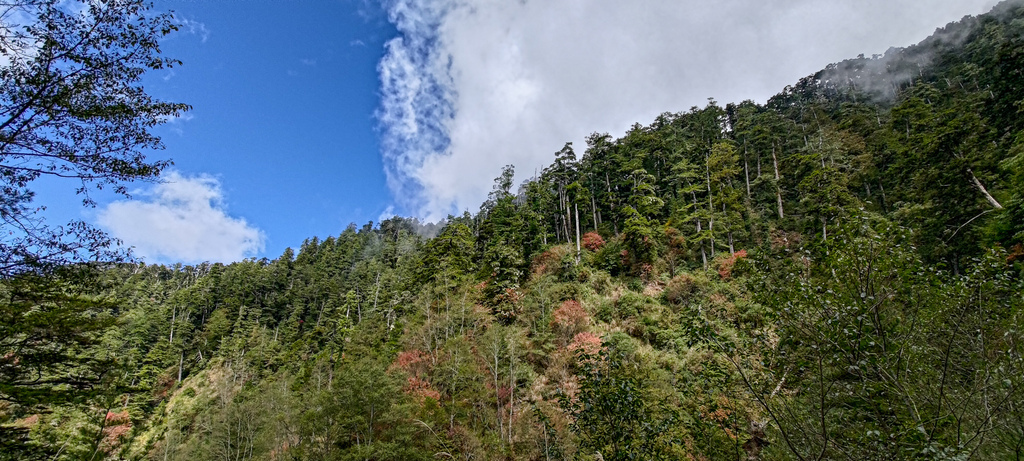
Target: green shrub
600, 282
681, 289
622, 344
605, 311
565, 291
630, 304
609, 257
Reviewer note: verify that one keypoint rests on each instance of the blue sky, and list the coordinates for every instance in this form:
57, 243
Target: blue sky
309, 115
283, 124
283, 97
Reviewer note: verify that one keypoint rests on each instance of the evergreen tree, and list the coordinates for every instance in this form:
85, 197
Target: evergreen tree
501, 240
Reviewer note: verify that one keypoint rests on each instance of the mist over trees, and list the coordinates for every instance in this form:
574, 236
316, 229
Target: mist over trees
835, 274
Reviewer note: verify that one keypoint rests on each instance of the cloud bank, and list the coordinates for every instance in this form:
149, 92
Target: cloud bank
183, 219
471, 85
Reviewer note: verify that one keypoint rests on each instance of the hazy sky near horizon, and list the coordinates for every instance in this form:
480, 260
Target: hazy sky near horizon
514, 80
313, 114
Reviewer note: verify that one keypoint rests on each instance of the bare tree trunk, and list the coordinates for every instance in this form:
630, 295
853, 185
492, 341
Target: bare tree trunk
881, 189
181, 361
330, 371
568, 217
497, 393
778, 188
376, 292
711, 236
746, 171
174, 314
611, 203
577, 210
320, 314
568, 224
703, 254
511, 386
984, 191
711, 204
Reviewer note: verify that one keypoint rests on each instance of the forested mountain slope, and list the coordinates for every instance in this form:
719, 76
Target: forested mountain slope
835, 274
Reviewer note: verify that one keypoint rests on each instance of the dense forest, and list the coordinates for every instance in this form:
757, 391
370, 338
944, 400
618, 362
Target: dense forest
835, 274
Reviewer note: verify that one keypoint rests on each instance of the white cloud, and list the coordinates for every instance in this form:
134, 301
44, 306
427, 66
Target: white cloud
193, 27
387, 214
471, 85
175, 122
183, 219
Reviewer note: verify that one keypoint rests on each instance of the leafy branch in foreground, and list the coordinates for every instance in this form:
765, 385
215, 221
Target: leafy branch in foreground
880, 354
51, 329
72, 107
614, 414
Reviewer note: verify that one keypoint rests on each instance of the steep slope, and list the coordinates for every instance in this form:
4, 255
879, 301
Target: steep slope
834, 274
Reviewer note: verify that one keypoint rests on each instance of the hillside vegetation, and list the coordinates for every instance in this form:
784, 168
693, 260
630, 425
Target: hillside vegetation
835, 274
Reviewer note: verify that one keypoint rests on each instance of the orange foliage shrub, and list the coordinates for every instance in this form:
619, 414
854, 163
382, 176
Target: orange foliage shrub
1016, 253
586, 342
420, 389
414, 362
569, 317
28, 421
117, 418
549, 260
592, 241
117, 427
725, 267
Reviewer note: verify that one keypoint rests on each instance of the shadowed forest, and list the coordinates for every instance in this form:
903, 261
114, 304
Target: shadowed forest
835, 274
